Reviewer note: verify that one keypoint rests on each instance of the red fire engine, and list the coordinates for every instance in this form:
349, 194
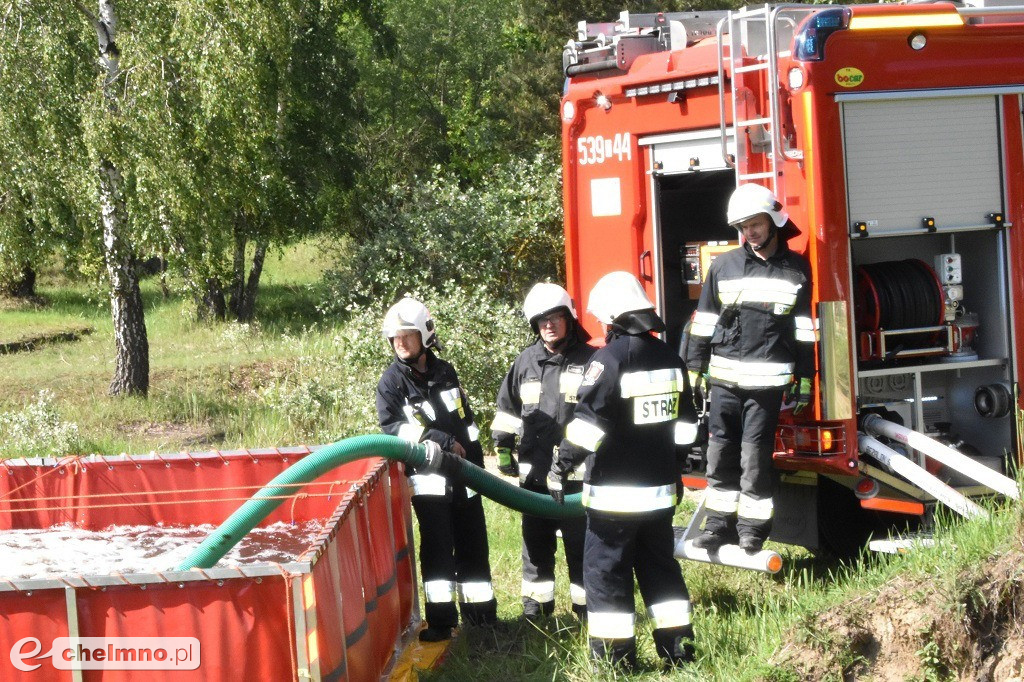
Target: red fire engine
893, 135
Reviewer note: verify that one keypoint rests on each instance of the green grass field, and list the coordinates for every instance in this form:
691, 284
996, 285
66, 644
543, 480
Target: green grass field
291, 378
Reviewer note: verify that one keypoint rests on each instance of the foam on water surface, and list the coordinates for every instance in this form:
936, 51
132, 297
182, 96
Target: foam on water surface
67, 550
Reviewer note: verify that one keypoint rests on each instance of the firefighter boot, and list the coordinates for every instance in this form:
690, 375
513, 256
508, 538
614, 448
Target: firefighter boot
533, 610
750, 544
675, 645
435, 634
480, 613
718, 530
619, 653
710, 540
755, 507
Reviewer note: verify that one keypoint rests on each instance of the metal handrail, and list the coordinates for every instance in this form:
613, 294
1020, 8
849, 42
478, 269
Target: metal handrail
723, 128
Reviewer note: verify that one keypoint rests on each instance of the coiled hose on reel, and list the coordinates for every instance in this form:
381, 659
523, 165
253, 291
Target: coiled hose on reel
318, 463
901, 294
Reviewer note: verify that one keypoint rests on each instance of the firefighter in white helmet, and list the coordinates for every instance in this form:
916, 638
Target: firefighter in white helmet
419, 399
633, 426
752, 340
535, 402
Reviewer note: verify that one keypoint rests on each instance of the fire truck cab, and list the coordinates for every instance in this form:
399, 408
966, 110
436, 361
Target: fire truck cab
894, 136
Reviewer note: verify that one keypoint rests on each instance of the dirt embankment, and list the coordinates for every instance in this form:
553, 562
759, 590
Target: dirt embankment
967, 627
34, 341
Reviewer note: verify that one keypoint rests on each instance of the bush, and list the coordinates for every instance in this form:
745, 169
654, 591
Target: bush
330, 392
38, 429
499, 238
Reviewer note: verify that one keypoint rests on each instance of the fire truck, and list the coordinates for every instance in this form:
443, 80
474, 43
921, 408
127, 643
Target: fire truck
894, 136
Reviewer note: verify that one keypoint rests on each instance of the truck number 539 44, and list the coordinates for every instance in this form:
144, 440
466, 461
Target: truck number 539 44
596, 149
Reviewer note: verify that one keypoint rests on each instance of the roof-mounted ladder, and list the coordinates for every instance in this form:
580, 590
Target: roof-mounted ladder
756, 33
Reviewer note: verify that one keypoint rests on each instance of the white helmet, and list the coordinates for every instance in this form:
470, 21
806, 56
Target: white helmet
750, 200
409, 313
617, 293
545, 298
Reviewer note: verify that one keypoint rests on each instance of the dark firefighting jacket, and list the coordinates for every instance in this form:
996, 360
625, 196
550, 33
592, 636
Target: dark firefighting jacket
634, 421
535, 402
430, 406
752, 327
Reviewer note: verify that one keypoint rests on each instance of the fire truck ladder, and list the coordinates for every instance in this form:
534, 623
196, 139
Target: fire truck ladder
755, 32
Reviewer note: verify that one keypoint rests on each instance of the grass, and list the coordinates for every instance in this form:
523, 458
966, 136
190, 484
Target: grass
741, 618
288, 380
203, 376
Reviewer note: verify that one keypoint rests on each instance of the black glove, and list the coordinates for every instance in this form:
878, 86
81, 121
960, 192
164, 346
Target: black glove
680, 489
699, 389
555, 485
507, 464
438, 461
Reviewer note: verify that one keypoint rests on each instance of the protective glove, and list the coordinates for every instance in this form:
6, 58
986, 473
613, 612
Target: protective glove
507, 464
680, 489
555, 483
800, 393
698, 389
438, 461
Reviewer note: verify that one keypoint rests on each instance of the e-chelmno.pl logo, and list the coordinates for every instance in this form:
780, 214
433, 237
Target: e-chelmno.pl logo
108, 653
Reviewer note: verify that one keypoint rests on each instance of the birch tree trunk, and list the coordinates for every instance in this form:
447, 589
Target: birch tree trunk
131, 364
247, 310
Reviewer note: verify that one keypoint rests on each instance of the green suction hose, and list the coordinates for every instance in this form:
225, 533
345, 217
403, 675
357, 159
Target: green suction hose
316, 464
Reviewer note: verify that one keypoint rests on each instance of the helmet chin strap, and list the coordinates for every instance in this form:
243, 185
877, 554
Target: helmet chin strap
558, 345
411, 362
772, 233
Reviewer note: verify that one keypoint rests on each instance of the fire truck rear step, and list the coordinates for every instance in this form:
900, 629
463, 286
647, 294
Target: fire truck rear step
765, 561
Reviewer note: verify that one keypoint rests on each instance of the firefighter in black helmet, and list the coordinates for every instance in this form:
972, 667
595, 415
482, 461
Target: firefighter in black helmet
419, 399
535, 402
753, 338
633, 425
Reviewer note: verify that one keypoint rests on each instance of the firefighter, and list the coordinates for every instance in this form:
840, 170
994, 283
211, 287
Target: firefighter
535, 402
751, 341
633, 425
419, 399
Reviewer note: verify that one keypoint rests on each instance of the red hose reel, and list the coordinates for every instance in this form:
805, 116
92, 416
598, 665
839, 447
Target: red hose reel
899, 309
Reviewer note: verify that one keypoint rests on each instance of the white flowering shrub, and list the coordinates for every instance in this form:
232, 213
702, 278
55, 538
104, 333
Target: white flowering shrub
37, 429
500, 238
330, 392
245, 335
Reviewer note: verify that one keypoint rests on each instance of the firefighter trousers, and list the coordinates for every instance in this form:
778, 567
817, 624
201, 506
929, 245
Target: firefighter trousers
616, 548
539, 545
740, 475
454, 561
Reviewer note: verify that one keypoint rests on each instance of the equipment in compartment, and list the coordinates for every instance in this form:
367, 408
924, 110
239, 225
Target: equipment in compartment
949, 268
697, 259
898, 295
901, 311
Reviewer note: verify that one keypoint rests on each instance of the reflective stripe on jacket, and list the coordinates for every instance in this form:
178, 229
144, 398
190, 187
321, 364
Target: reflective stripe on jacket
430, 406
753, 327
536, 401
635, 410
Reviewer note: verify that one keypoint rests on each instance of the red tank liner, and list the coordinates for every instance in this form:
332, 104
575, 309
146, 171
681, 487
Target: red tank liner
257, 621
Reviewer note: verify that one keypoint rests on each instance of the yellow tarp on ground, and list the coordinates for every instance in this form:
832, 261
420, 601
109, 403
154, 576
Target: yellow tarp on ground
418, 656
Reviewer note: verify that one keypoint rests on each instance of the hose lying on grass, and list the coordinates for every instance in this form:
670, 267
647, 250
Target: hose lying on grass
424, 457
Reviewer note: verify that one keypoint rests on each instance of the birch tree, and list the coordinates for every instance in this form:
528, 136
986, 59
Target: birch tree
131, 362
44, 69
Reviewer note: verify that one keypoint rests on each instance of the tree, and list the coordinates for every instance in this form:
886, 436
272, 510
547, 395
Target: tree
131, 363
44, 70
243, 126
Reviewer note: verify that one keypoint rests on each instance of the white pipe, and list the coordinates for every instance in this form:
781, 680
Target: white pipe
940, 452
765, 561
899, 464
